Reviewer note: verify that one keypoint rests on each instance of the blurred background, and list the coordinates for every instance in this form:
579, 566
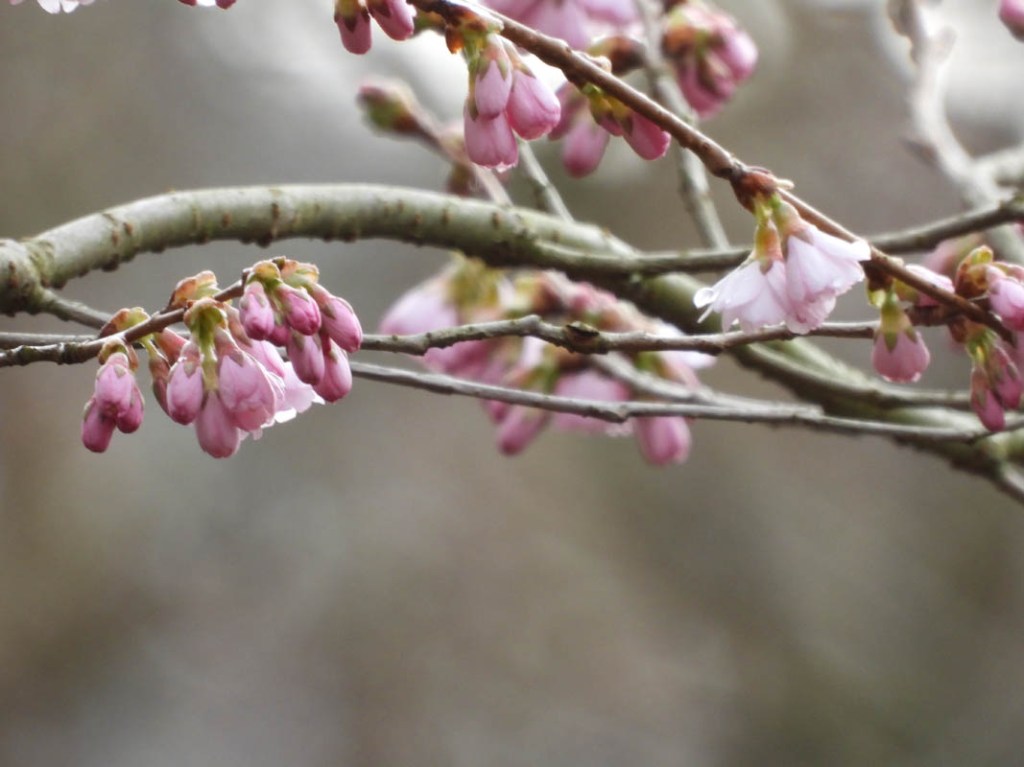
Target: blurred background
374, 584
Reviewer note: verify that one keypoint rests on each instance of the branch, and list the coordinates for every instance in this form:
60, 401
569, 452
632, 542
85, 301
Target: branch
620, 412
264, 215
693, 181
934, 138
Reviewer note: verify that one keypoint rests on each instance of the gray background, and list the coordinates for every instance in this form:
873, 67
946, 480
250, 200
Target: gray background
374, 584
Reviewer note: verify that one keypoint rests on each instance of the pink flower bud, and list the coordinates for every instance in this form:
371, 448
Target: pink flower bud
159, 372
185, 390
519, 427
1003, 376
533, 109
215, 429
298, 308
307, 357
245, 391
662, 440
1011, 13
901, 356
337, 379
114, 384
985, 403
97, 429
584, 147
1006, 297
395, 17
130, 419
338, 320
489, 142
256, 312
492, 79
589, 385
647, 139
353, 21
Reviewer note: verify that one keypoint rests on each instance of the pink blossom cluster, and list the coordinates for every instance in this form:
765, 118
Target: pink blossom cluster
467, 292
228, 377
589, 120
793, 275
352, 17
711, 53
996, 385
575, 21
996, 382
505, 98
116, 402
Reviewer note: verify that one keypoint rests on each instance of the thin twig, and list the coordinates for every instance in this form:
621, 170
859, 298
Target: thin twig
620, 412
693, 180
71, 311
934, 138
548, 198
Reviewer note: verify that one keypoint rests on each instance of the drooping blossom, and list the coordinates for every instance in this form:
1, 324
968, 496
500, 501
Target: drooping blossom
467, 292
437, 304
505, 97
575, 21
900, 357
793, 275
663, 439
1011, 13
711, 53
996, 384
116, 402
56, 6
588, 120
352, 18
754, 295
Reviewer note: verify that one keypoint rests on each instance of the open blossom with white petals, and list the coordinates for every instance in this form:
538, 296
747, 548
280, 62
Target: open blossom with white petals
793, 275
753, 295
56, 6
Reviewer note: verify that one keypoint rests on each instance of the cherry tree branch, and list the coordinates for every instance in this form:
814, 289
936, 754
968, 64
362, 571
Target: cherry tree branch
580, 68
621, 412
693, 180
934, 138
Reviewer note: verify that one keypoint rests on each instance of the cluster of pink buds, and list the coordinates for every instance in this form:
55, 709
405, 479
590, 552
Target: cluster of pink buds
468, 292
56, 6
1011, 13
712, 55
996, 385
574, 21
995, 376
352, 17
793, 275
116, 402
228, 377
589, 119
505, 97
